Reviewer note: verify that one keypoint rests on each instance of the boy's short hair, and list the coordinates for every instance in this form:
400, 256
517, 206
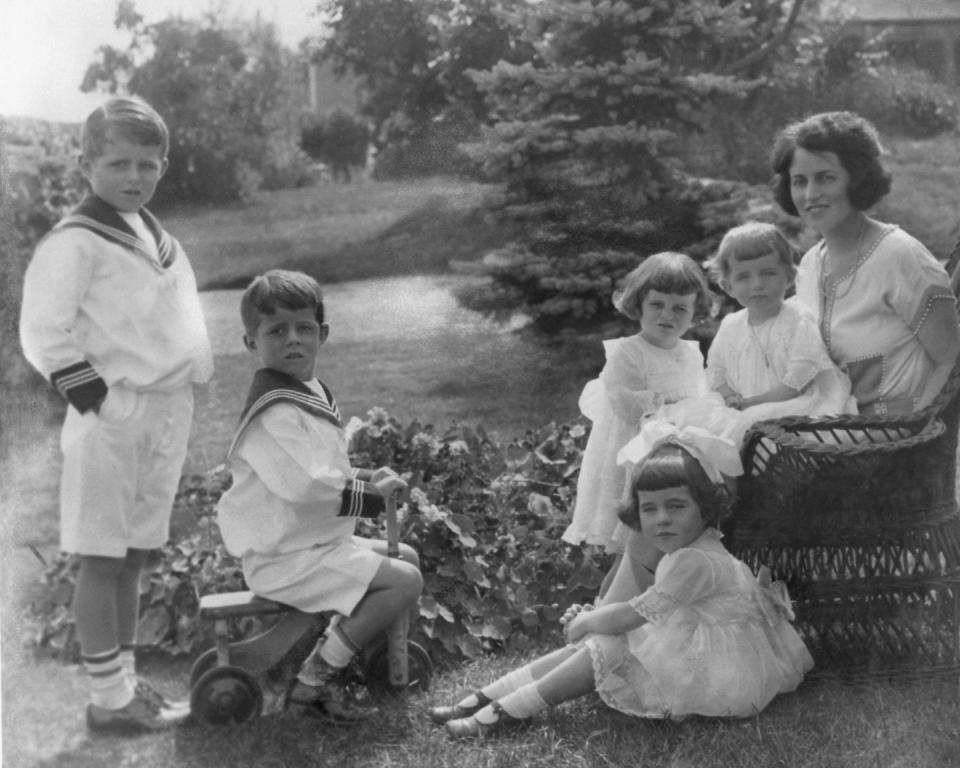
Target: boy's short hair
855, 142
666, 272
279, 288
130, 117
671, 466
747, 242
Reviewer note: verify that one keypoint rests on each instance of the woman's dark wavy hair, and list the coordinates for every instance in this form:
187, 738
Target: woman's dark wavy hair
852, 138
671, 466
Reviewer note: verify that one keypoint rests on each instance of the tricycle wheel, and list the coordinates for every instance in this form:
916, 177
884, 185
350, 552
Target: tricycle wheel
226, 695
377, 669
205, 661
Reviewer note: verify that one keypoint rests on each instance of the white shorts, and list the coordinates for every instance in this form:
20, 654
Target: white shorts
328, 577
121, 471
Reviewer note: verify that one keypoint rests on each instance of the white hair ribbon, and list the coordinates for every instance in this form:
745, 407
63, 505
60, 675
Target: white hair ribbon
718, 456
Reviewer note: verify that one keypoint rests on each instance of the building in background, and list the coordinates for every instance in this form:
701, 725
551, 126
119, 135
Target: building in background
923, 32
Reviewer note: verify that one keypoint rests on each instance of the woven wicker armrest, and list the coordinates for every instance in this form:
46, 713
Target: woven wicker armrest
837, 436
804, 484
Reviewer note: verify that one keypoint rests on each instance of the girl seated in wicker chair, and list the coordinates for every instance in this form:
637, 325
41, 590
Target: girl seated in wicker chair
768, 359
708, 638
885, 306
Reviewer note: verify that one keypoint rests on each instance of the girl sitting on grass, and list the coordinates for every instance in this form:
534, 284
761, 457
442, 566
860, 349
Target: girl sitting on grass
708, 638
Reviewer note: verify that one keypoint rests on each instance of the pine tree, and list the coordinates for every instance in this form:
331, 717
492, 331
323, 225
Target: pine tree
585, 137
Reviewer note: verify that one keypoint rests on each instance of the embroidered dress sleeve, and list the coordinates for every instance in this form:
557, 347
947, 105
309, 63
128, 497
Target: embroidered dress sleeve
807, 353
301, 460
681, 579
624, 382
55, 283
917, 286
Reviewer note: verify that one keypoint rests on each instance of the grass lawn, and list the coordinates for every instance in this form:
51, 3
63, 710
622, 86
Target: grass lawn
399, 340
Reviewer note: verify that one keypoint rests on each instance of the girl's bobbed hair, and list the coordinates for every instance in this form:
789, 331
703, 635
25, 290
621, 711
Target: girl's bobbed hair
671, 466
279, 288
855, 142
666, 272
747, 242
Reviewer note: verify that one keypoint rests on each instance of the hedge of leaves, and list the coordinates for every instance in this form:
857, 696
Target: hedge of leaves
486, 519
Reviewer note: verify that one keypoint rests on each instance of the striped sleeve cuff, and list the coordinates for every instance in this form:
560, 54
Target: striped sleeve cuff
81, 385
361, 474
360, 500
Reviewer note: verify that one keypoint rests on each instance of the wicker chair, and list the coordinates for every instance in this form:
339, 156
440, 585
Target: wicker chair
858, 515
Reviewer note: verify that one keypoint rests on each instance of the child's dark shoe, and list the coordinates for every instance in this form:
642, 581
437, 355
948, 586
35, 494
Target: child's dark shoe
471, 728
449, 712
328, 701
144, 690
141, 715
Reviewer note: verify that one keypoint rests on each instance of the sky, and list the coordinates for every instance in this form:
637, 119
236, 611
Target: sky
46, 45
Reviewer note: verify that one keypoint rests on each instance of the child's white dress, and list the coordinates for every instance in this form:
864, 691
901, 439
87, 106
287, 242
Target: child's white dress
717, 642
786, 349
638, 378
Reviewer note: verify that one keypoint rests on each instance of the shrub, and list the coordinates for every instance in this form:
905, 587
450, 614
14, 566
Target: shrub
339, 140
38, 189
902, 100
485, 518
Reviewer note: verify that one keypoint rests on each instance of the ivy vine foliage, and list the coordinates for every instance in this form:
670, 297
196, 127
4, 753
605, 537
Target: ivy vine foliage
486, 519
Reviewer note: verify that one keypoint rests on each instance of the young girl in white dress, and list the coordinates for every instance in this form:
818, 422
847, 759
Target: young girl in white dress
768, 359
666, 294
708, 638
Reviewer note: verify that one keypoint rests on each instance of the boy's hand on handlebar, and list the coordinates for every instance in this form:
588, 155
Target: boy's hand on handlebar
382, 473
390, 484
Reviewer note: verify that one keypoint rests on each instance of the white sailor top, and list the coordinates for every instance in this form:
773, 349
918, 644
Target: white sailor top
102, 307
293, 486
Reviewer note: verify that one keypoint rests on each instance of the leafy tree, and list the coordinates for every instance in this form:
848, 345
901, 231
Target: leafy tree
413, 59
230, 96
339, 140
585, 136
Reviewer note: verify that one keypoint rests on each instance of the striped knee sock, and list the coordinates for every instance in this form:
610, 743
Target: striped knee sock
334, 651
110, 687
128, 660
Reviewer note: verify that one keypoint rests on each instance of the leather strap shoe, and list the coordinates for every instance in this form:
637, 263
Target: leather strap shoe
449, 712
471, 728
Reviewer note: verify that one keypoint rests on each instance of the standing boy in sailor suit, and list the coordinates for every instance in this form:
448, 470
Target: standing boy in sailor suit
291, 512
112, 318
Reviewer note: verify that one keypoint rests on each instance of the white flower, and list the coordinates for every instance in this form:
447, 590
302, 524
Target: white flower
458, 447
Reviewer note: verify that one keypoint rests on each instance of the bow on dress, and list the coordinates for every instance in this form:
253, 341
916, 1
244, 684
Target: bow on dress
718, 456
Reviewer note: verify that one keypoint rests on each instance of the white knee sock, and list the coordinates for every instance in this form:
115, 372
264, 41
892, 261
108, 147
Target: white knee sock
509, 683
128, 661
523, 703
332, 651
110, 688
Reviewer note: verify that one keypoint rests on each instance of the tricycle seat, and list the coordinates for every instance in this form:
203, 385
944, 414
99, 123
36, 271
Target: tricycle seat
231, 604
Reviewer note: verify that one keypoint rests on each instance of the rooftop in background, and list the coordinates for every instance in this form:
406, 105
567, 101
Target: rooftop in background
923, 32
902, 11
